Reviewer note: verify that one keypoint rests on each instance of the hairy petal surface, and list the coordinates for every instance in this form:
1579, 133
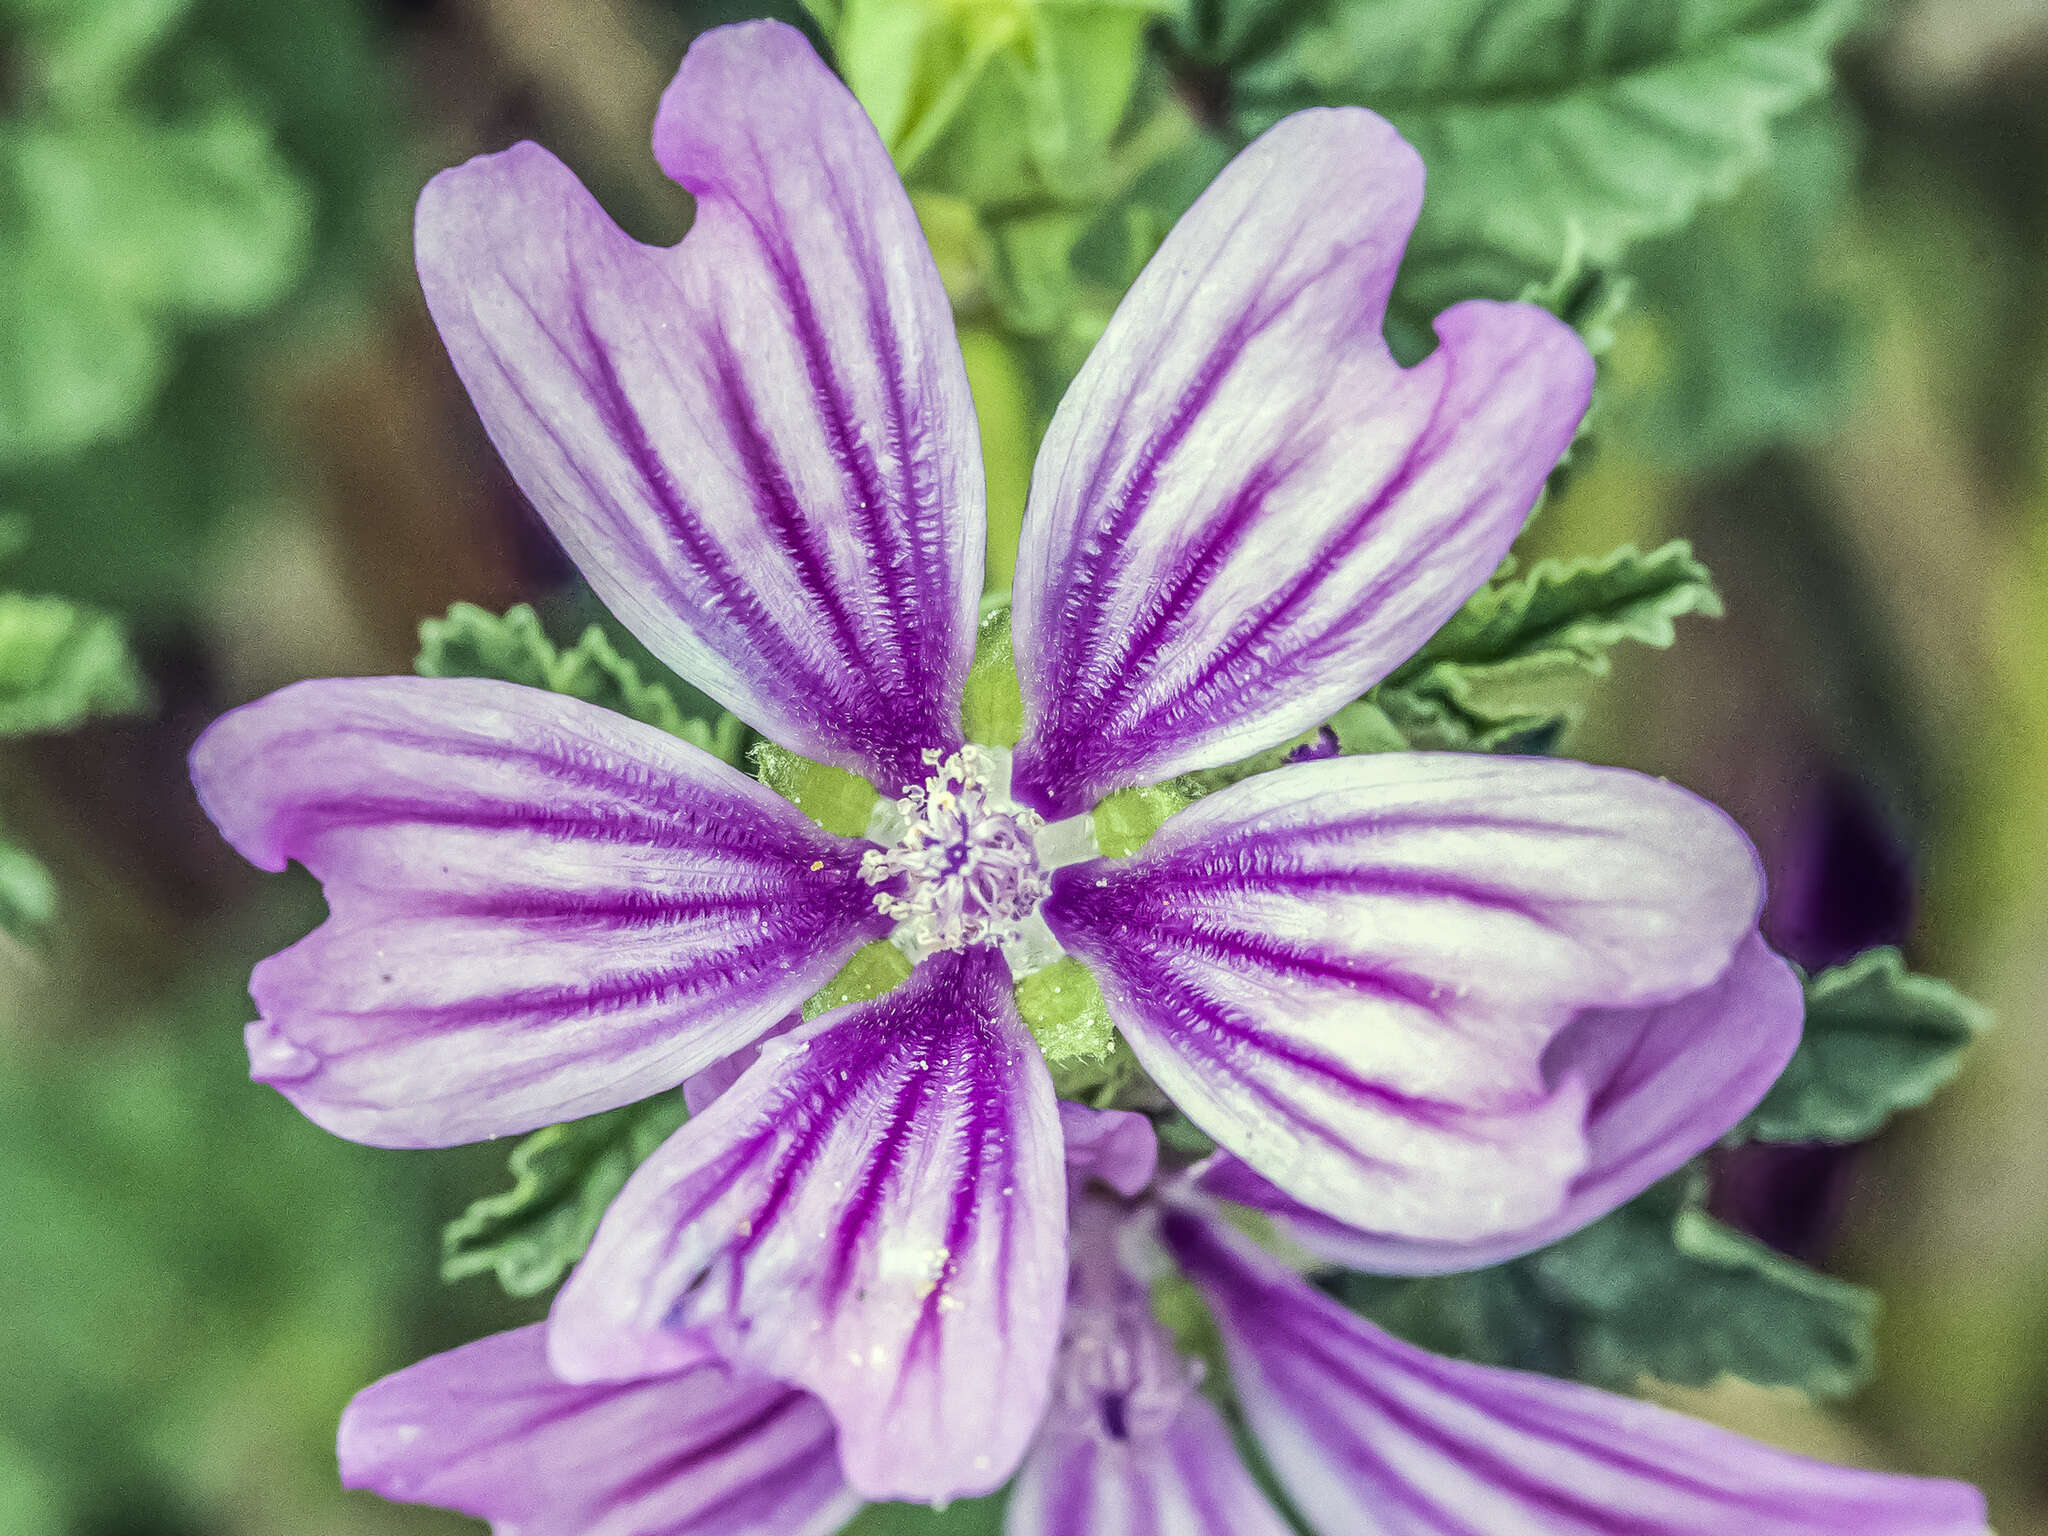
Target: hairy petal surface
1669, 1080
488, 1430
758, 444
1245, 512
1352, 973
1373, 1437
875, 1210
538, 909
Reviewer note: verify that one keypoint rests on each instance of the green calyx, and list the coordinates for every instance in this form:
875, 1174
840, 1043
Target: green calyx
875, 969
836, 800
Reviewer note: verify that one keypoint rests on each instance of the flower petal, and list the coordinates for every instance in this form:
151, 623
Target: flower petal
1351, 973
1186, 1480
1668, 1082
1373, 1437
487, 1430
1114, 1145
538, 909
877, 1211
758, 445
1245, 512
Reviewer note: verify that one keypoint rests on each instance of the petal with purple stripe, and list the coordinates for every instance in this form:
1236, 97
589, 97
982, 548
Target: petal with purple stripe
1245, 512
875, 1210
1181, 1479
1129, 1446
1668, 1081
758, 444
1353, 973
489, 1431
1374, 1437
537, 909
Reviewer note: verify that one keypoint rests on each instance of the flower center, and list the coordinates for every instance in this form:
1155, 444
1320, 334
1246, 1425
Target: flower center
960, 865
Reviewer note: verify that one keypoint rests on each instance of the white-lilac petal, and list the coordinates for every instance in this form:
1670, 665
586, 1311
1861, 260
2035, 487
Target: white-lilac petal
1185, 1479
1353, 973
758, 444
1129, 1446
1245, 512
489, 1431
1668, 1082
876, 1210
1115, 1146
537, 908
1371, 1436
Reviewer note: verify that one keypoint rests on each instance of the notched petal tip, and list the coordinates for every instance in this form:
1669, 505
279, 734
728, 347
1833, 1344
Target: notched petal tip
274, 1059
1245, 512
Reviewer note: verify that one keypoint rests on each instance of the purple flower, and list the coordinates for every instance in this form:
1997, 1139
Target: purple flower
1416, 995
1368, 1436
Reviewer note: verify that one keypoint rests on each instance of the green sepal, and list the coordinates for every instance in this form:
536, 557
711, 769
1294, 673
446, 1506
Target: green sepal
1658, 1289
835, 799
514, 648
992, 708
875, 969
1064, 1009
62, 664
1878, 1039
1126, 819
563, 1177
1510, 667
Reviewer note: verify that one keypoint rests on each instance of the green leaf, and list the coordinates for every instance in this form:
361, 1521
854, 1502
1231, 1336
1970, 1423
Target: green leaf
514, 648
563, 1177
1878, 1039
1511, 665
1657, 1288
964, 1517
1548, 127
61, 664
28, 896
1753, 340
125, 230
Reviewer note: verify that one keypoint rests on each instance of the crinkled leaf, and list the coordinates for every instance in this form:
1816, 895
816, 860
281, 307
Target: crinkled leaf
1508, 670
1657, 1288
513, 647
1753, 341
563, 1177
1878, 1039
1549, 127
61, 664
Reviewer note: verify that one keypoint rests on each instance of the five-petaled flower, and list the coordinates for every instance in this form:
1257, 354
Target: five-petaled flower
1449, 1005
1367, 1435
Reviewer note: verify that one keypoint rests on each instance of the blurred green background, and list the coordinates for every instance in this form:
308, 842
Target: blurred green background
227, 433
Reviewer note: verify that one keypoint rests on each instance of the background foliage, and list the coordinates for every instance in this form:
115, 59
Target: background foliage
1799, 562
